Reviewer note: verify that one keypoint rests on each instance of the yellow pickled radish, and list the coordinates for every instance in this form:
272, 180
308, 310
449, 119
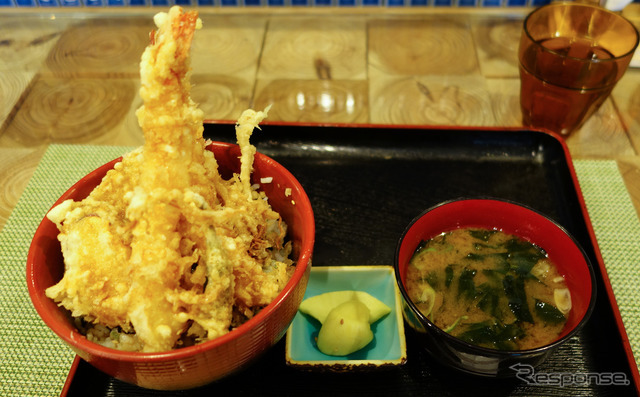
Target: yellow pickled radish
319, 306
346, 329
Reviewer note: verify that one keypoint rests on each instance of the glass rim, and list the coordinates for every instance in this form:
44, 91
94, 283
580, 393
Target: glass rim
584, 5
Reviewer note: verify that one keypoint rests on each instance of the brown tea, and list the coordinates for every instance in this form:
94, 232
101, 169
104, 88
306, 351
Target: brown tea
571, 56
560, 95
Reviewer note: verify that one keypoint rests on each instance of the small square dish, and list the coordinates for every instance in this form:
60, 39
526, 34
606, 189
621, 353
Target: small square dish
388, 347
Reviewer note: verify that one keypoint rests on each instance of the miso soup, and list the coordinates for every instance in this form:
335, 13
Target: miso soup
489, 288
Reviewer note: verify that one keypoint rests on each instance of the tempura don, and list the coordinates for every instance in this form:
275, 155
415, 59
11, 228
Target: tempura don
165, 252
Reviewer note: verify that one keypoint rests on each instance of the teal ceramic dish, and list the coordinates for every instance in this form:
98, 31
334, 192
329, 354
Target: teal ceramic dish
388, 347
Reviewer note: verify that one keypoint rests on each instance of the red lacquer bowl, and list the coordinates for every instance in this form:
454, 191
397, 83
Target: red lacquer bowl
203, 363
562, 249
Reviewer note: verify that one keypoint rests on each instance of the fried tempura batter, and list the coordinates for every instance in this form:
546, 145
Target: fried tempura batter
164, 248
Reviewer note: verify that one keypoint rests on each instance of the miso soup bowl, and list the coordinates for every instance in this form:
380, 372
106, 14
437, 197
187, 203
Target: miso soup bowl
561, 248
206, 362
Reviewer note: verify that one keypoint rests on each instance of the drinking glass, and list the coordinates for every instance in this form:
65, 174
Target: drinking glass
571, 56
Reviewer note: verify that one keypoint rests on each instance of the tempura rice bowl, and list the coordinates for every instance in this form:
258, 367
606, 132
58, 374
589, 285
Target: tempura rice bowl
202, 363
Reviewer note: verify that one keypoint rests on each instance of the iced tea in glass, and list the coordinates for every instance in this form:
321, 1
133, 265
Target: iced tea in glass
571, 56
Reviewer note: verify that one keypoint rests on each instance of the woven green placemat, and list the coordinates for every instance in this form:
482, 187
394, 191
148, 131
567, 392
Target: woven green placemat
33, 362
617, 229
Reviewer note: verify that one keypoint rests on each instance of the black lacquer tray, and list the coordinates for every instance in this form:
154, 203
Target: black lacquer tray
366, 184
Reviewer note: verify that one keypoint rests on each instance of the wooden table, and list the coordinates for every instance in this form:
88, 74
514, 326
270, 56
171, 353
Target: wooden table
72, 77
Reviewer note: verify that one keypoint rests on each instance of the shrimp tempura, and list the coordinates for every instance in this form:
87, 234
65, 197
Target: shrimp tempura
173, 160
165, 250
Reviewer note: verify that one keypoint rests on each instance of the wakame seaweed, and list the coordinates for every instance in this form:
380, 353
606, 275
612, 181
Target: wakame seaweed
421, 245
548, 313
517, 245
489, 299
475, 257
432, 279
448, 275
514, 289
493, 334
522, 262
466, 286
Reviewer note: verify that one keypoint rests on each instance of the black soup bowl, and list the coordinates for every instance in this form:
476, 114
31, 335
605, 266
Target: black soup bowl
561, 249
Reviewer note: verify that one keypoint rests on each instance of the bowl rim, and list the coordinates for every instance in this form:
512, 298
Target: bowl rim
425, 322
79, 341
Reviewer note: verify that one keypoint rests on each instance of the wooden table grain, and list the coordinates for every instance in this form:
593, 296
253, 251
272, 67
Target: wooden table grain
72, 77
